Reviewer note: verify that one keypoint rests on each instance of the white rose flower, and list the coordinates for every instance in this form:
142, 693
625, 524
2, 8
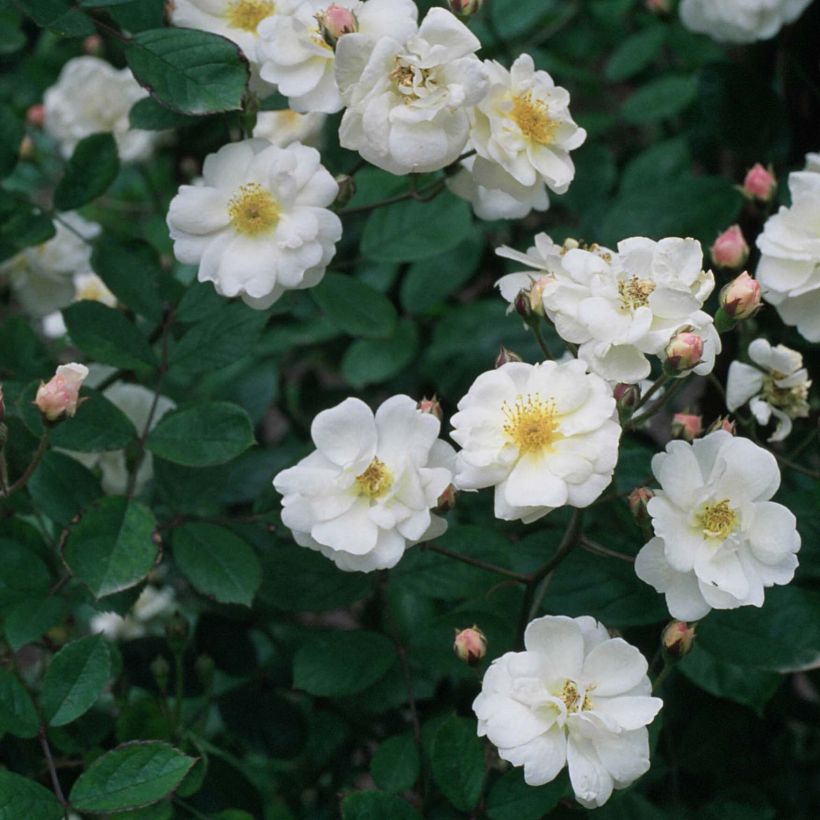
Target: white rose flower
92, 96
789, 267
42, 277
366, 493
153, 604
296, 53
740, 21
719, 540
284, 127
543, 435
259, 223
575, 697
407, 102
778, 387
135, 401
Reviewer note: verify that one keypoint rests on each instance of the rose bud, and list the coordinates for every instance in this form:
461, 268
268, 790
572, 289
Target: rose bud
760, 183
93, 45
730, 249
659, 6
36, 115
722, 423
626, 396
335, 22
677, 639
505, 356
464, 8
637, 500
686, 426
741, 297
61, 395
431, 406
470, 645
684, 351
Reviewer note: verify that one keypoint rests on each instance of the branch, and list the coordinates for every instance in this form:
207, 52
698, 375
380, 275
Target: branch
55, 781
477, 562
38, 457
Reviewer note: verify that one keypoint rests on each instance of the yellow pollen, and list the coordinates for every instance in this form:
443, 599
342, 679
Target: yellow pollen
718, 520
253, 210
634, 292
572, 697
248, 14
375, 481
533, 120
531, 423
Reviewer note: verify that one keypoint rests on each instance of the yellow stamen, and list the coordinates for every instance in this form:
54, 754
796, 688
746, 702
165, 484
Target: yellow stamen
253, 210
248, 14
533, 120
718, 520
572, 697
531, 423
634, 292
375, 481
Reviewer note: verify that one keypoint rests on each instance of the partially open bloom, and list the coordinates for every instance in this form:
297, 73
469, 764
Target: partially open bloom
575, 697
366, 493
470, 645
719, 540
543, 435
297, 44
407, 101
778, 386
740, 21
789, 269
60, 396
284, 127
741, 297
730, 249
759, 183
259, 224
92, 96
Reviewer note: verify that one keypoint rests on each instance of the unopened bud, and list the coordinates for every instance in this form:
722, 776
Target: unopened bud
686, 426
161, 670
347, 190
741, 297
760, 183
36, 115
464, 8
176, 632
506, 356
336, 21
93, 45
677, 639
637, 500
684, 351
722, 423
431, 407
522, 306
659, 6
730, 249
61, 395
627, 396
470, 645
447, 500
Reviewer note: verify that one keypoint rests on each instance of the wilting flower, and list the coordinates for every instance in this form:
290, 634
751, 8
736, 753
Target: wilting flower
759, 183
543, 435
719, 540
575, 697
259, 223
778, 386
92, 96
284, 127
789, 269
60, 396
366, 493
407, 102
740, 21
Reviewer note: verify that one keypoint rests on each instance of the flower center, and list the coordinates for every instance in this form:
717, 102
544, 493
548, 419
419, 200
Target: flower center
248, 14
718, 520
634, 292
375, 481
409, 80
792, 400
531, 423
572, 697
533, 120
253, 210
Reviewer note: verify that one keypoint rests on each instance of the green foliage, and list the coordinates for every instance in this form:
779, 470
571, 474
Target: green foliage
89, 173
395, 764
25, 798
457, 760
356, 308
17, 712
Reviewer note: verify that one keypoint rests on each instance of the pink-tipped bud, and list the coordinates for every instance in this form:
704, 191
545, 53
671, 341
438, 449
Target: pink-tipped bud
432, 407
506, 356
626, 396
447, 500
36, 115
730, 249
659, 6
684, 351
686, 426
637, 501
464, 8
336, 21
722, 423
677, 639
470, 645
741, 297
93, 45
61, 395
760, 183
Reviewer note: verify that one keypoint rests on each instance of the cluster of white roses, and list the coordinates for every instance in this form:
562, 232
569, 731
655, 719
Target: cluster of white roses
740, 21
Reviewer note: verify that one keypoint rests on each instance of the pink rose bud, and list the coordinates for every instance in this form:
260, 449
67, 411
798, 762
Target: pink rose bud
741, 297
637, 501
61, 395
335, 22
686, 426
684, 351
722, 423
730, 249
677, 639
447, 500
431, 406
627, 396
470, 645
760, 183
36, 115
464, 8
93, 45
658, 6
505, 356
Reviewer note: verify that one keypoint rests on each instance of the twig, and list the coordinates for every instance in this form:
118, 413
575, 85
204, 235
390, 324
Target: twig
599, 549
477, 562
542, 342
35, 461
55, 781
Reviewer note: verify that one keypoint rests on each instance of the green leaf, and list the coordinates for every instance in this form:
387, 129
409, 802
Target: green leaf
129, 777
32, 618
131, 270
660, 99
217, 563
335, 664
149, 115
24, 573
395, 765
12, 39
22, 354
17, 712
189, 71
61, 487
377, 806
23, 798
355, 307
25, 226
104, 334
410, 231
457, 761
75, 679
635, 53
11, 133
203, 434
370, 361
112, 547
510, 798
58, 16
93, 166
98, 425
